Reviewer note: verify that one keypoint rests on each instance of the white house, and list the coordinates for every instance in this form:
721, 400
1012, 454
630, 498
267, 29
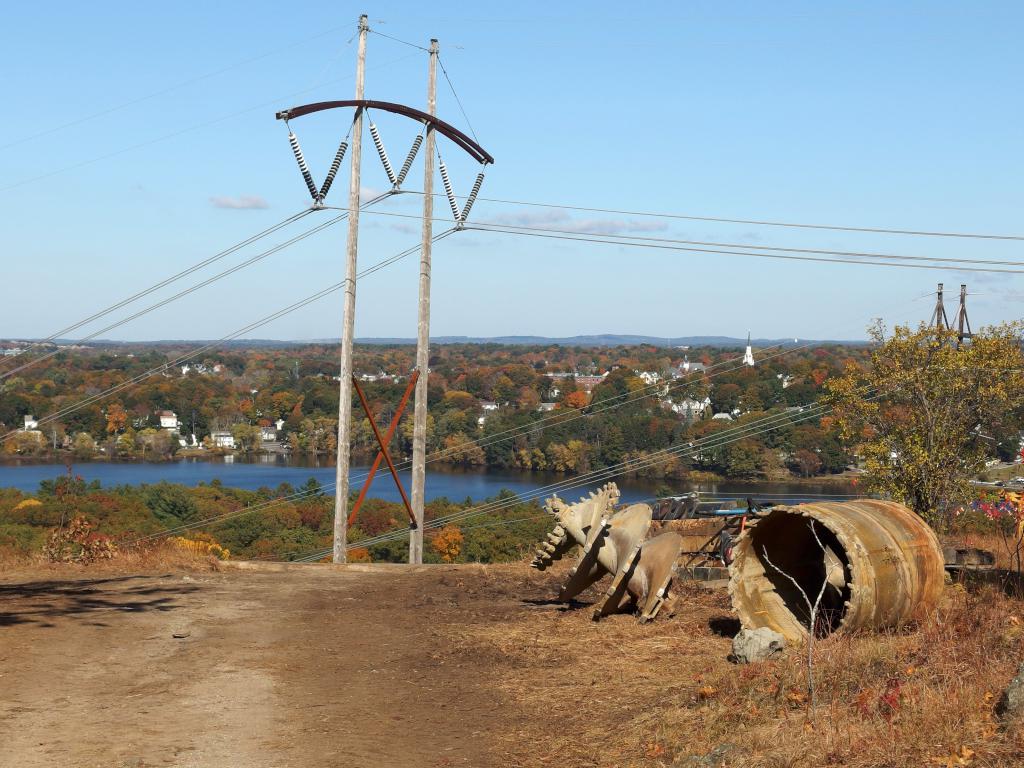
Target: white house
691, 409
488, 405
268, 434
30, 423
686, 368
222, 439
648, 377
544, 407
722, 417
168, 420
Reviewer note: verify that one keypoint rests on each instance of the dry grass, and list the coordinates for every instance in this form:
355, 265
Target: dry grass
160, 556
620, 694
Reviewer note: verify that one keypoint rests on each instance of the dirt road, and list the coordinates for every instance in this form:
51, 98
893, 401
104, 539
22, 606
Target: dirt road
373, 666
301, 668
447, 666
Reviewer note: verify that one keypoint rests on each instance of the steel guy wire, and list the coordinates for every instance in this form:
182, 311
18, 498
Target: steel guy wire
715, 440
167, 281
435, 456
752, 429
182, 131
457, 99
490, 440
181, 294
202, 284
168, 89
403, 42
599, 237
755, 222
603, 239
536, 426
252, 326
493, 439
569, 485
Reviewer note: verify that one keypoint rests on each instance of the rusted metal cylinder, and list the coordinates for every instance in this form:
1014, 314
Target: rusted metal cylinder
875, 563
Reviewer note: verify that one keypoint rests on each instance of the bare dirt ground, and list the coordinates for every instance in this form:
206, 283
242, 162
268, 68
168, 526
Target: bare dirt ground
239, 668
441, 666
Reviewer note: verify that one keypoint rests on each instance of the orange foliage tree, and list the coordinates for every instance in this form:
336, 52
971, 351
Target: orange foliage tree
448, 543
117, 418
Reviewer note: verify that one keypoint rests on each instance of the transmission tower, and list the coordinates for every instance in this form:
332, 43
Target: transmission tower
431, 125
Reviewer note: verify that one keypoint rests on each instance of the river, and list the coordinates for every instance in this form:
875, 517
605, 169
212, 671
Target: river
457, 485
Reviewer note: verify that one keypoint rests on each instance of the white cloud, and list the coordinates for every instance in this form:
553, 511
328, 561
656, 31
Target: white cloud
562, 220
239, 203
367, 193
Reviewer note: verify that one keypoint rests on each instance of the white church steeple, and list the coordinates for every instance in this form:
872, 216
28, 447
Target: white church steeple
748, 356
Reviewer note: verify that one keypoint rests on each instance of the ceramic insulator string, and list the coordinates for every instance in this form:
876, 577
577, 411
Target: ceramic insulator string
408, 160
472, 196
383, 155
306, 175
338, 157
448, 189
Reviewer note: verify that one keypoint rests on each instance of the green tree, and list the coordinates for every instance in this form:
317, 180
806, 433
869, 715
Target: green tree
172, 504
922, 411
247, 437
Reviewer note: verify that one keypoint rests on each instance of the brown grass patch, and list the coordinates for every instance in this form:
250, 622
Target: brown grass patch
158, 556
617, 693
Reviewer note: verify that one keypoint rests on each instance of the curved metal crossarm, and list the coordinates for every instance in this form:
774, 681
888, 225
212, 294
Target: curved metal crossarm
445, 129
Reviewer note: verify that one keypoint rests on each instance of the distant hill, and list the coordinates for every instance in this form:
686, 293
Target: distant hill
597, 340
610, 340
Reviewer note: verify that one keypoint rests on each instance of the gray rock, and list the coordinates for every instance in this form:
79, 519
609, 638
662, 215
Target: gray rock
1012, 702
756, 645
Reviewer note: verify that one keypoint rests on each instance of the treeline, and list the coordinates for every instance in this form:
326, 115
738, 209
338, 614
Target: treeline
571, 409
282, 523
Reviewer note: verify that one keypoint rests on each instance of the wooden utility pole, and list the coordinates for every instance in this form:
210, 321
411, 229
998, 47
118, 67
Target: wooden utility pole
348, 319
419, 429
961, 319
939, 319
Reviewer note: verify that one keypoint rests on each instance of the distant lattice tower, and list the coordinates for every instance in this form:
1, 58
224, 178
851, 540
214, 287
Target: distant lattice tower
748, 356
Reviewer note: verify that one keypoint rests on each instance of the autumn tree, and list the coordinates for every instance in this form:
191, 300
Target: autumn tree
117, 418
247, 437
576, 399
921, 412
447, 543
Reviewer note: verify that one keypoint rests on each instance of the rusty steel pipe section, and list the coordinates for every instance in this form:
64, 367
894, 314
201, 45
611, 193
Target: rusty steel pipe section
875, 563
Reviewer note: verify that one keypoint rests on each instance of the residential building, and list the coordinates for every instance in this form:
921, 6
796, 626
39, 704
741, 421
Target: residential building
268, 434
648, 377
168, 420
690, 409
30, 423
587, 383
544, 407
222, 439
686, 368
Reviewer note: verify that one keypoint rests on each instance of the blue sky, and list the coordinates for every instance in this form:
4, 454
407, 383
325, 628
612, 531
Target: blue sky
890, 115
